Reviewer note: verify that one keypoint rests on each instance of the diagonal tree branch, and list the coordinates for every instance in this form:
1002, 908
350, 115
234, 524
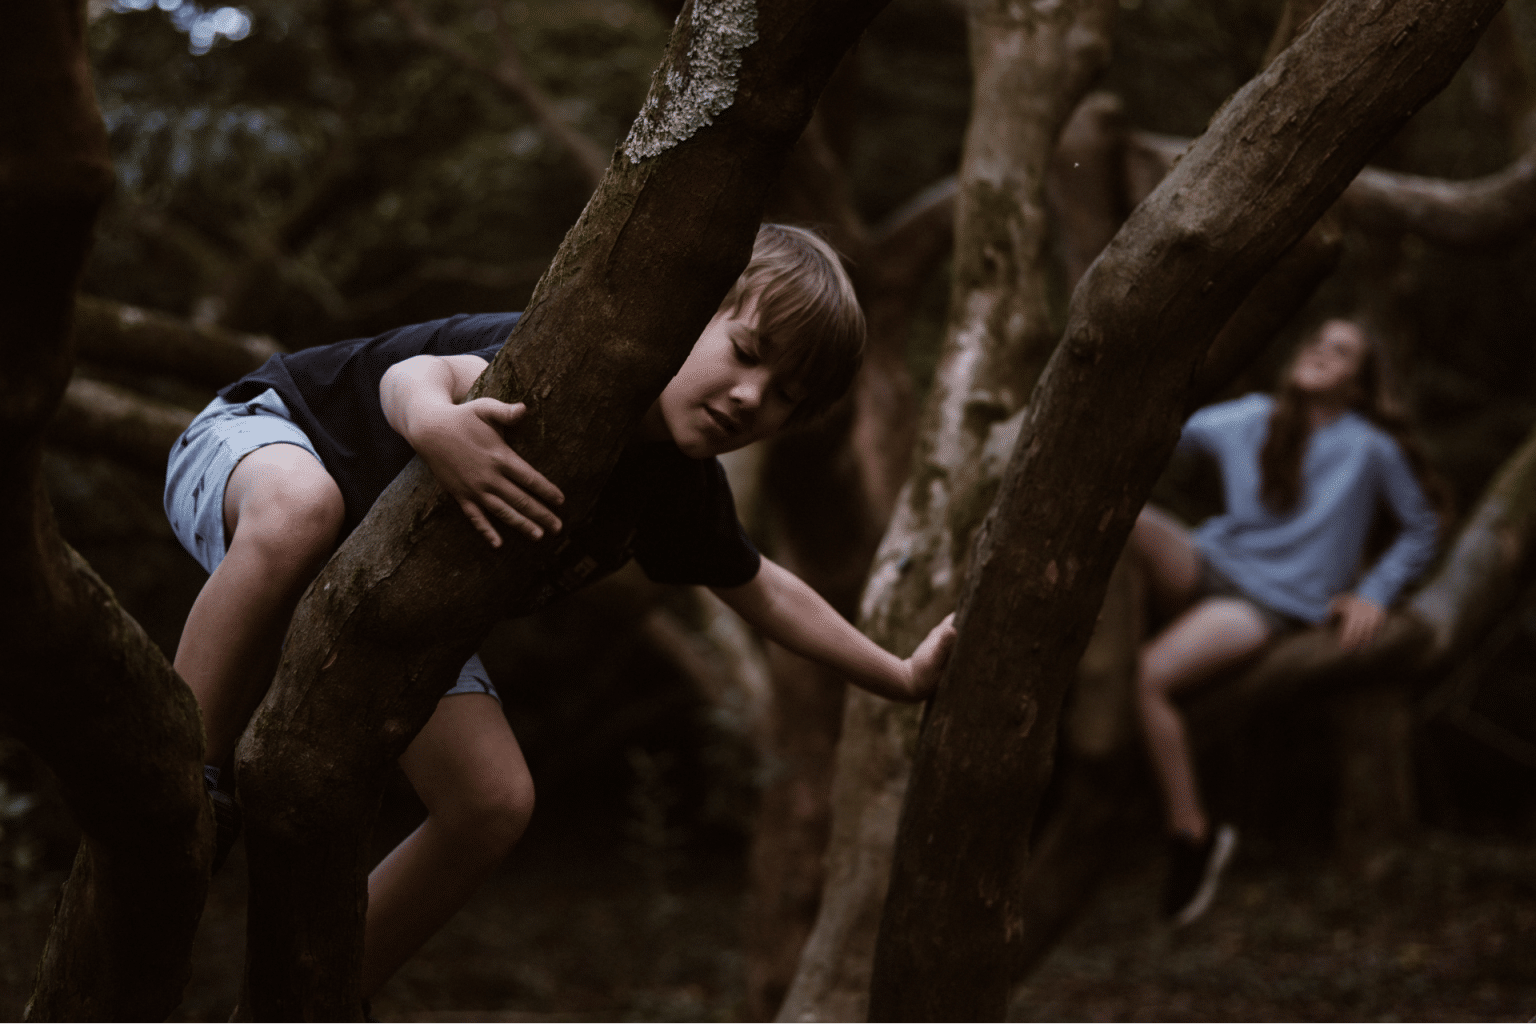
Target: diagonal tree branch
412, 592
1114, 398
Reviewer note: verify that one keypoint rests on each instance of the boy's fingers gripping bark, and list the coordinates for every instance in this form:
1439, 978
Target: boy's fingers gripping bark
521, 512
481, 524
516, 467
928, 661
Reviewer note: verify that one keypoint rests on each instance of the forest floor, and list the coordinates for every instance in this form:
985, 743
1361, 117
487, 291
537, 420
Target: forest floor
577, 927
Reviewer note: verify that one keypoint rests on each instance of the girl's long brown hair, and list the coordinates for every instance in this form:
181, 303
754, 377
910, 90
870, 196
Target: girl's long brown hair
1375, 398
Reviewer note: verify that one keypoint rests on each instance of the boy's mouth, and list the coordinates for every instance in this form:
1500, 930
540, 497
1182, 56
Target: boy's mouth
728, 425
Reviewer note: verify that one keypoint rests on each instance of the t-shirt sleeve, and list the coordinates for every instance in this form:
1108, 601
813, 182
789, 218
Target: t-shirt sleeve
332, 393
1414, 548
693, 536
1200, 432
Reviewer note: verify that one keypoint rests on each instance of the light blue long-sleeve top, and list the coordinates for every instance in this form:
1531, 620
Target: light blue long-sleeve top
1296, 562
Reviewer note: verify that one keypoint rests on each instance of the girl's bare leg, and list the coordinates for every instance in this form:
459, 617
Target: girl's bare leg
282, 512
468, 769
1214, 634
1169, 556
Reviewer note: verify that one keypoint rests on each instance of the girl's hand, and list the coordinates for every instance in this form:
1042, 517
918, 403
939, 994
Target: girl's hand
1359, 620
464, 447
928, 661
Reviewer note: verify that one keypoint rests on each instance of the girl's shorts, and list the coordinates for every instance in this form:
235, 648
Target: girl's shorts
1215, 583
201, 462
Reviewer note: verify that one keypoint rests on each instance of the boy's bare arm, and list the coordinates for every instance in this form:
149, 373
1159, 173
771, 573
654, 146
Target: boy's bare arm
786, 610
464, 447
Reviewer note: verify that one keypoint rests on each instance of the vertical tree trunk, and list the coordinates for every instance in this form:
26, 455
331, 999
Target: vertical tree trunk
1373, 742
1031, 65
1113, 398
83, 686
829, 494
412, 592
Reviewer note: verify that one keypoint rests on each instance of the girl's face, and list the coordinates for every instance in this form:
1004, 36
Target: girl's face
1328, 366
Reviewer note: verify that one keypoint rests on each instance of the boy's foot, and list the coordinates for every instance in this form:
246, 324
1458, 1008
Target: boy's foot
1194, 871
226, 819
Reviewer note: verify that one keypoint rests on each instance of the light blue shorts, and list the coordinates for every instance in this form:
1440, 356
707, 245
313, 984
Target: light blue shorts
198, 471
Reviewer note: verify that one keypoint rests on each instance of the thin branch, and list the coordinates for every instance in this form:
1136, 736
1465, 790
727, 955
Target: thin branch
1490, 210
101, 417
1499, 207
119, 335
509, 74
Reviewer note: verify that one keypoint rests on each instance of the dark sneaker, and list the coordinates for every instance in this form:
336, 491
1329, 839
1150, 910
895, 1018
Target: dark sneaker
1194, 871
226, 820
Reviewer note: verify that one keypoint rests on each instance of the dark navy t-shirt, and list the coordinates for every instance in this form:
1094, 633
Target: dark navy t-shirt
673, 514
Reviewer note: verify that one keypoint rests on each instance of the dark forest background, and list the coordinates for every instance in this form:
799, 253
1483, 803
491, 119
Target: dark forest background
314, 170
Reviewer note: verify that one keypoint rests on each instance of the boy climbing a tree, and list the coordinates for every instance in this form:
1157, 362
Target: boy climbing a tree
284, 464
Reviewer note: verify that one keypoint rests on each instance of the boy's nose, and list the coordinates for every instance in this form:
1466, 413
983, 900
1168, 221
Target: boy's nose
749, 391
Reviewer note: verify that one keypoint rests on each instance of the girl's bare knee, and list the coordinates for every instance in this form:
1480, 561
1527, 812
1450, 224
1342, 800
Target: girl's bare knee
1152, 676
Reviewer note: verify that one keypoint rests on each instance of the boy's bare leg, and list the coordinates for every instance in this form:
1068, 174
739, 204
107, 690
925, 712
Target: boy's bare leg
282, 512
468, 769
1214, 634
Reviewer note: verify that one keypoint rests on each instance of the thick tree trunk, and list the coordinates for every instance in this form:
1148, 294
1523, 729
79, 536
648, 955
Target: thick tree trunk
83, 686
410, 594
1114, 398
1035, 63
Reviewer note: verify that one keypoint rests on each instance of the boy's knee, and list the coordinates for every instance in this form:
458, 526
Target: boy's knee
493, 814
294, 520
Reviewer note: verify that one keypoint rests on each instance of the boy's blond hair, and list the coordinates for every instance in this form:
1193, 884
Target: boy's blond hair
808, 315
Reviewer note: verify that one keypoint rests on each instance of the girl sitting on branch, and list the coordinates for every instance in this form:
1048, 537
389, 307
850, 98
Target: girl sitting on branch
1304, 473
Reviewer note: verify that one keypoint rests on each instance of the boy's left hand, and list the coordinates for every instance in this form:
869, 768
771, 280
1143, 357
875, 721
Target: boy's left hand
928, 661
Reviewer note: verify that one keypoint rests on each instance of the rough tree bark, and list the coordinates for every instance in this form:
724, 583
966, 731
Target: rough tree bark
1027, 60
411, 593
1113, 398
83, 686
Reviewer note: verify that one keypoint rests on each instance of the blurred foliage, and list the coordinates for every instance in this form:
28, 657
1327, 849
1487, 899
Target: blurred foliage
330, 174
302, 174
1176, 61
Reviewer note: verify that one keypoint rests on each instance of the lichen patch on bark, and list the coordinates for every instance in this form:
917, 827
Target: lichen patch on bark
695, 90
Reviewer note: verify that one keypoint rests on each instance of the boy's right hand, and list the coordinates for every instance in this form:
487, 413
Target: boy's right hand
466, 450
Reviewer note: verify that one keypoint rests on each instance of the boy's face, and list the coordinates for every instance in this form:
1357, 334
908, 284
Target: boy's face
728, 392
